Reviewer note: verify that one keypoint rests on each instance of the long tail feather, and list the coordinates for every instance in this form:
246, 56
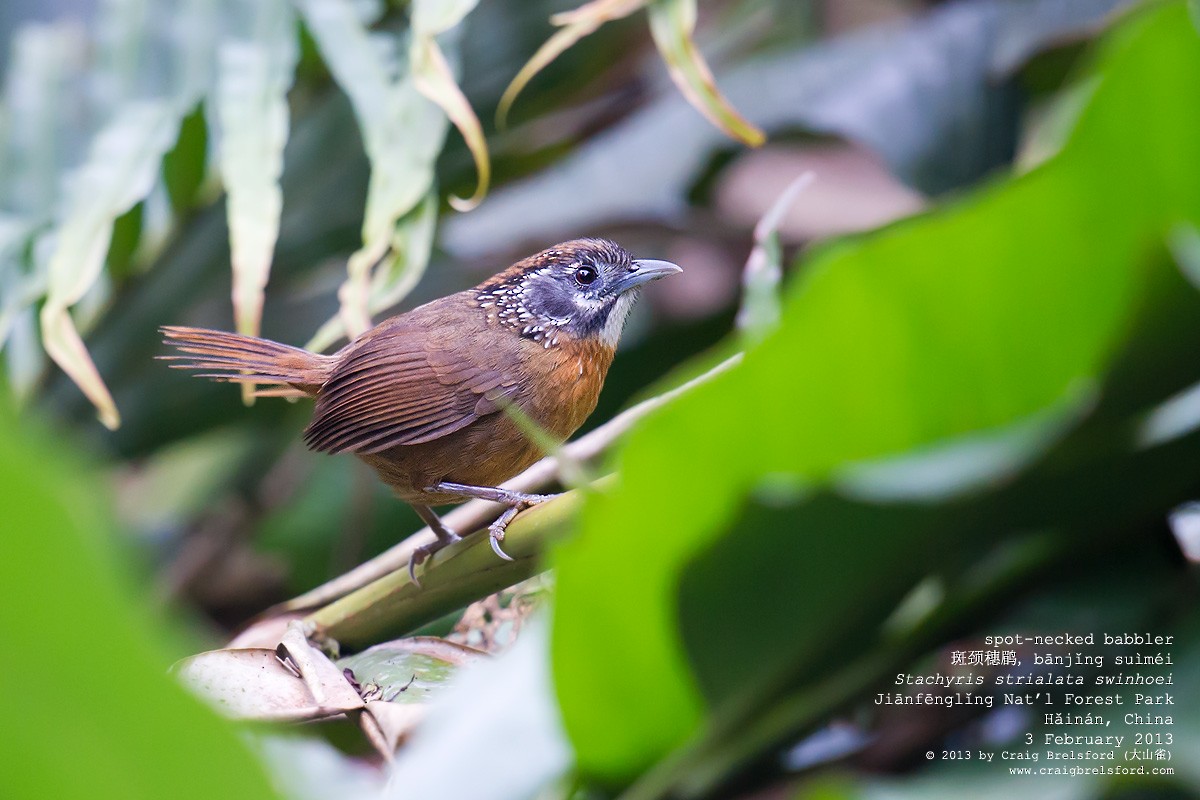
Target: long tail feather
245, 359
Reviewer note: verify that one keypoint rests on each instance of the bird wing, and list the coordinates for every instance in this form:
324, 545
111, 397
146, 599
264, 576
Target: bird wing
407, 384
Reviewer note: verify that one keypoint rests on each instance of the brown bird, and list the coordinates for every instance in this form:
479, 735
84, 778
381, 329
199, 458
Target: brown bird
422, 396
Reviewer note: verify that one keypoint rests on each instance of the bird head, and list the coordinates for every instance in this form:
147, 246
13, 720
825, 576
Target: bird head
581, 289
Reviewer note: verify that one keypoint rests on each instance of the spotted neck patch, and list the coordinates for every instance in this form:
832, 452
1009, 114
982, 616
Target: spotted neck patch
509, 304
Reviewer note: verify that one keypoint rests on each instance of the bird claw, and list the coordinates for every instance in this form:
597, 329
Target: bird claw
496, 537
497, 528
422, 553
414, 560
516, 502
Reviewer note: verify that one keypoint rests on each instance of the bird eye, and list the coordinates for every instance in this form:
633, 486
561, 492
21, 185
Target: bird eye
585, 275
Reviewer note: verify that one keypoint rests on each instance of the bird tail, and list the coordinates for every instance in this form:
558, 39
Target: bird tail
247, 359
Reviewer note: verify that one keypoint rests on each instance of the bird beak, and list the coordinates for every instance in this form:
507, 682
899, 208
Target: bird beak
643, 271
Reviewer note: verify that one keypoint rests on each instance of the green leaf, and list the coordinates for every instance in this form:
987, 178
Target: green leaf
759, 311
399, 271
574, 25
106, 720
107, 105
672, 24
122, 46
121, 167
793, 585
253, 78
966, 320
412, 244
38, 100
402, 130
412, 670
434, 17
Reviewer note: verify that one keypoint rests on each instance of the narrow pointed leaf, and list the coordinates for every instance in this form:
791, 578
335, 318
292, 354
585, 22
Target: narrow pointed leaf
37, 101
252, 83
412, 245
434, 79
253, 77
433, 17
575, 24
402, 131
760, 309
119, 171
397, 273
671, 24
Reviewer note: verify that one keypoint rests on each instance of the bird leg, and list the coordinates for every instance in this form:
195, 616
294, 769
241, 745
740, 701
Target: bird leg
516, 502
445, 537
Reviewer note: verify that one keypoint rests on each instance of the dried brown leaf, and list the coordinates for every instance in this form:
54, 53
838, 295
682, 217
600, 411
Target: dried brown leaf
252, 683
388, 725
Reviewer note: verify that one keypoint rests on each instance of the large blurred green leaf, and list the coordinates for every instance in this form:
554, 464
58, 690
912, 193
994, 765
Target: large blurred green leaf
90, 709
964, 321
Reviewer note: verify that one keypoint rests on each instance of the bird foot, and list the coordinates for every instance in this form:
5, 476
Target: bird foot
420, 554
497, 528
516, 502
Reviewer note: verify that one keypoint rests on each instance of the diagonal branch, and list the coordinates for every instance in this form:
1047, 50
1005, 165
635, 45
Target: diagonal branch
477, 514
393, 605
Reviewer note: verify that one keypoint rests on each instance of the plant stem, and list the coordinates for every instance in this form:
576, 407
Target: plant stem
476, 514
452, 578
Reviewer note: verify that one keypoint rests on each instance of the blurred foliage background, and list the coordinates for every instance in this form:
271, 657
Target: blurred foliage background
974, 416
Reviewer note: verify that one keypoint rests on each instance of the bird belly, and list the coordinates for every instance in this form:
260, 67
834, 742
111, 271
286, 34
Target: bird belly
485, 453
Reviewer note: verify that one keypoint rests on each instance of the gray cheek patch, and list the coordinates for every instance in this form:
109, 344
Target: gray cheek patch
549, 301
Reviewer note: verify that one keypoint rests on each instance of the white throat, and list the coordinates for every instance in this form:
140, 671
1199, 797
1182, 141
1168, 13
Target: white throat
610, 334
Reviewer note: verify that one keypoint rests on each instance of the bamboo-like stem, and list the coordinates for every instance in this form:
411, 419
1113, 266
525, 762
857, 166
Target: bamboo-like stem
452, 578
477, 514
